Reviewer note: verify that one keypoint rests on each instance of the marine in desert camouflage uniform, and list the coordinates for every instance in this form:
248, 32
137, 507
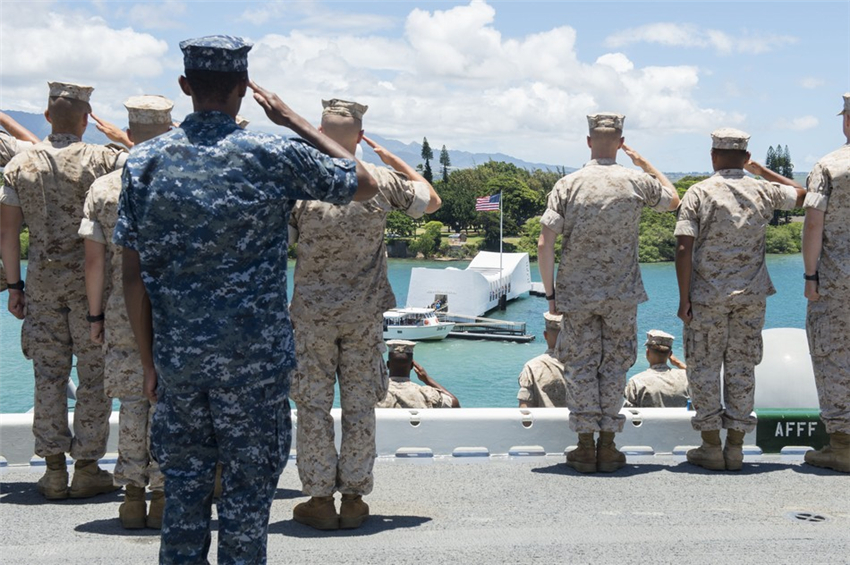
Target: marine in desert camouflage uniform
341, 292
660, 386
541, 382
149, 116
203, 219
826, 254
402, 392
723, 287
597, 210
46, 187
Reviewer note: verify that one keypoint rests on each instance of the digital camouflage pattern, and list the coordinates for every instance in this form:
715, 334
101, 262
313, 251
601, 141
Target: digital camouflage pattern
70, 90
328, 351
724, 335
123, 375
341, 291
541, 382
597, 210
404, 393
597, 346
727, 215
248, 429
49, 183
213, 255
828, 319
10, 146
222, 53
660, 386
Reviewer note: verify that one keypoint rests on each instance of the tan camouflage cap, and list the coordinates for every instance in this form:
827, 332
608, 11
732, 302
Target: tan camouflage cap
729, 138
70, 90
241, 121
344, 108
149, 109
402, 346
658, 340
605, 120
553, 322
846, 109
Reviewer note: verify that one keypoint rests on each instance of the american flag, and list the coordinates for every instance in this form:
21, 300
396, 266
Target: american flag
488, 203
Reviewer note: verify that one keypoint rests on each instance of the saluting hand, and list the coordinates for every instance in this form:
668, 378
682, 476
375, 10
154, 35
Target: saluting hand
386, 156
636, 157
113, 132
276, 110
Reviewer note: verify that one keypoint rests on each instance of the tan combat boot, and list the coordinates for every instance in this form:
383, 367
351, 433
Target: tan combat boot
352, 512
710, 454
608, 457
583, 457
132, 510
90, 480
318, 512
154, 519
835, 456
733, 451
54, 484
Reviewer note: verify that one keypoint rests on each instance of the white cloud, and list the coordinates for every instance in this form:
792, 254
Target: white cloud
798, 124
811, 82
159, 15
690, 35
311, 15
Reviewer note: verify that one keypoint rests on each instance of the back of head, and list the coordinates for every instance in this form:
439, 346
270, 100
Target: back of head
215, 66
659, 346
605, 131
729, 148
342, 121
400, 357
552, 325
68, 107
149, 116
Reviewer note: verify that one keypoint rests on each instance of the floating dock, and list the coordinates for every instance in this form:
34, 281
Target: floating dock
475, 327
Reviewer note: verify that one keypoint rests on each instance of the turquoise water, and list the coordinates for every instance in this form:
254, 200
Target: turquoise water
480, 374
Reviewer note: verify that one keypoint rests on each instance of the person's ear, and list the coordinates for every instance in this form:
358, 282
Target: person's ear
184, 85
589, 143
622, 140
130, 135
47, 116
360, 136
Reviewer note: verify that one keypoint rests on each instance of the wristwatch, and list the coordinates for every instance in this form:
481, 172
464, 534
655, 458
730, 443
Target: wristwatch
805, 276
550, 296
92, 319
16, 286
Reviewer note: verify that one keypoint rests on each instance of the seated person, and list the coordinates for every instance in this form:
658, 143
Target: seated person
541, 382
660, 386
403, 393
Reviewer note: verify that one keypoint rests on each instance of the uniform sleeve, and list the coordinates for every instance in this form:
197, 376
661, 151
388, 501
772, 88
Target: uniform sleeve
553, 217
784, 197
526, 382
446, 400
294, 217
126, 227
432, 397
411, 197
688, 222
819, 188
9, 147
90, 227
655, 195
314, 175
8, 194
630, 394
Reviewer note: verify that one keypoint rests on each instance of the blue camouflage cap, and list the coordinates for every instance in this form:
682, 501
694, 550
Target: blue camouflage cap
222, 53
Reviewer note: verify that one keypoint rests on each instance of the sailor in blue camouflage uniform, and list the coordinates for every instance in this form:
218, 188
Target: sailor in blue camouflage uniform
203, 219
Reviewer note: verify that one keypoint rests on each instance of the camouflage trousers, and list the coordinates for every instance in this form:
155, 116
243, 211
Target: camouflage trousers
50, 335
597, 346
727, 336
135, 466
828, 330
353, 354
247, 429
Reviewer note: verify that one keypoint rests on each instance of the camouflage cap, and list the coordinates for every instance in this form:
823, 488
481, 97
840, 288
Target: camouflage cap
344, 108
401, 346
241, 121
149, 109
729, 138
221, 53
553, 321
605, 120
70, 90
658, 340
846, 109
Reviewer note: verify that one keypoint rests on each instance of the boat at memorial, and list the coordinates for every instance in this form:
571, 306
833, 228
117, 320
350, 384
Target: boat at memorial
415, 324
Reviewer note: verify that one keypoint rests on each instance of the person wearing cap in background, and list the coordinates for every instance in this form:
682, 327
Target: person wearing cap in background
341, 292
17, 140
149, 116
723, 287
660, 386
597, 210
826, 258
404, 393
46, 187
203, 217
541, 382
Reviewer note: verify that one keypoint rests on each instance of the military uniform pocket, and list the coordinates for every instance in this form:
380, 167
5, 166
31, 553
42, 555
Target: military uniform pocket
819, 332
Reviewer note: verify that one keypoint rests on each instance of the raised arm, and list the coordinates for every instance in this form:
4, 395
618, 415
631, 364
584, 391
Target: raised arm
16, 130
139, 311
283, 115
112, 132
426, 378
756, 168
649, 169
392, 160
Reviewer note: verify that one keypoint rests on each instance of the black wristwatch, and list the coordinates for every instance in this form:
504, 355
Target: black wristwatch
16, 286
805, 276
92, 319
550, 296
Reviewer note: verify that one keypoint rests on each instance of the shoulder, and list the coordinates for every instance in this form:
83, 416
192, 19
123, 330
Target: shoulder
107, 186
837, 160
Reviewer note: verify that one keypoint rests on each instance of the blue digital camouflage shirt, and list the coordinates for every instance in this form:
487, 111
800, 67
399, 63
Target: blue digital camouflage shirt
206, 206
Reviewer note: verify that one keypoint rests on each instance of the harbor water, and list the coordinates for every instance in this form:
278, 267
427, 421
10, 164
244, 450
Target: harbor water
480, 373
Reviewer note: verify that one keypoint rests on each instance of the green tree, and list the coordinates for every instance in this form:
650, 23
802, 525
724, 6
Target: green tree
400, 224
458, 196
427, 155
429, 240
445, 163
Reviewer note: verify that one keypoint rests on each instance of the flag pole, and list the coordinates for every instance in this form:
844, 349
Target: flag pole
501, 218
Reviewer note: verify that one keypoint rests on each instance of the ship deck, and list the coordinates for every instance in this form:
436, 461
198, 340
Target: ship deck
497, 509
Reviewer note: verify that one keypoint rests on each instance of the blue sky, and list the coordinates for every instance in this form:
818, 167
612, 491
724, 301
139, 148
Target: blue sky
510, 77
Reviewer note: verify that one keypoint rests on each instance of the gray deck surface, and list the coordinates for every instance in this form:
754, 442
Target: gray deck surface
659, 509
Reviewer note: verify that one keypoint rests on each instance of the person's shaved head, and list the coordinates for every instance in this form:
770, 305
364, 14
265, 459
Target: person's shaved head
67, 115
729, 158
343, 129
143, 132
606, 139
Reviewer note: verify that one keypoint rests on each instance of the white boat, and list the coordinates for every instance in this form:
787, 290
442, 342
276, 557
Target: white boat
415, 324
